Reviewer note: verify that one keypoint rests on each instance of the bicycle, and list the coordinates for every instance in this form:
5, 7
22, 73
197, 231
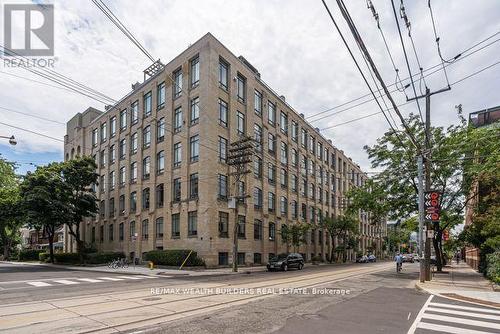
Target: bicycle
118, 263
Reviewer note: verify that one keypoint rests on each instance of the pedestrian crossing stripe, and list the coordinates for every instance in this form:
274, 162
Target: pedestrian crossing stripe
74, 281
448, 318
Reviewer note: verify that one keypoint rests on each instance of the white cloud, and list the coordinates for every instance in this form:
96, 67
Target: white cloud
292, 43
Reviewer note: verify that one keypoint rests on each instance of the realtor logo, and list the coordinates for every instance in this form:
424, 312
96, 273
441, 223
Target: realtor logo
29, 30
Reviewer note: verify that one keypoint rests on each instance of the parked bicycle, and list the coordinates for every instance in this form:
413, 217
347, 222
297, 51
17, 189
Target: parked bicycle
118, 263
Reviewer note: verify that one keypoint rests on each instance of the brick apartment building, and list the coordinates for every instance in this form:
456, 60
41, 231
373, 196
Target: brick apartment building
164, 181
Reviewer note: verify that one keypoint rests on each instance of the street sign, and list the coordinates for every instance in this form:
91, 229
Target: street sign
432, 206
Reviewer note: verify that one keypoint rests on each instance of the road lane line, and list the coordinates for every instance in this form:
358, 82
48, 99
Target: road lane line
461, 321
449, 329
468, 308
419, 316
129, 277
469, 314
110, 279
66, 282
39, 284
89, 280
146, 276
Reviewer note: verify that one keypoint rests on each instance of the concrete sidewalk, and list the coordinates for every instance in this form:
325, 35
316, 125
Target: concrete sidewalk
463, 283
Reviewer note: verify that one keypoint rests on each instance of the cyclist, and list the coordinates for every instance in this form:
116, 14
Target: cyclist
399, 262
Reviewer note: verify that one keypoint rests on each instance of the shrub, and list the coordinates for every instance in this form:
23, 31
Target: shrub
44, 257
105, 257
174, 257
316, 258
493, 266
67, 258
29, 254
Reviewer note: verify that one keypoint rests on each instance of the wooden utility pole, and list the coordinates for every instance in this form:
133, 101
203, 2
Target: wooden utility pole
240, 154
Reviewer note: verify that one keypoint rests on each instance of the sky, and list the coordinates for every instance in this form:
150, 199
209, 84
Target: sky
292, 43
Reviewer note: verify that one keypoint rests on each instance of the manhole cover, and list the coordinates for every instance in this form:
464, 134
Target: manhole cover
150, 299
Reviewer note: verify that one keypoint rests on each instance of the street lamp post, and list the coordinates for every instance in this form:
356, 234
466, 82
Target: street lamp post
12, 139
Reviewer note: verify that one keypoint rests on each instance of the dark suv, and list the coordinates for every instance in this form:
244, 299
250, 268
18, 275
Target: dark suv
285, 262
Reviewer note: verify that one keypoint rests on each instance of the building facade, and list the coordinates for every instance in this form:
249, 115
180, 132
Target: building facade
164, 179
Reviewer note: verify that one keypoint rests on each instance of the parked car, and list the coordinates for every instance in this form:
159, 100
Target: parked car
372, 258
362, 259
408, 258
416, 257
433, 259
286, 261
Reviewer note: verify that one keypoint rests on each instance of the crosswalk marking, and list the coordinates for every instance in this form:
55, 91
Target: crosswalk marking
449, 329
461, 321
146, 276
38, 284
468, 308
66, 282
110, 279
129, 277
469, 314
90, 280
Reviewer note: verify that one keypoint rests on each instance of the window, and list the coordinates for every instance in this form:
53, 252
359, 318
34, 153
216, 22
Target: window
112, 180
241, 258
271, 173
222, 113
257, 229
283, 178
271, 143
146, 168
271, 202
160, 162
145, 198
123, 148
283, 206
295, 157
294, 209
112, 126
284, 153
133, 143
311, 144
104, 133
159, 227
195, 71
133, 172
257, 258
284, 122
121, 232
112, 154
178, 119
223, 258
241, 88
147, 104
223, 224
177, 154
194, 148
160, 95
223, 74
319, 151
294, 182
257, 198
160, 130
295, 131
177, 190
177, 83
160, 195
257, 167
192, 223
222, 186
222, 150
110, 232
111, 207
145, 229
241, 227
271, 113
146, 137
195, 111
259, 139
134, 112
94, 137
258, 103
193, 185
176, 231
133, 201
102, 158
240, 123
101, 233
123, 119
303, 140
272, 231
121, 204
102, 208
122, 176
132, 229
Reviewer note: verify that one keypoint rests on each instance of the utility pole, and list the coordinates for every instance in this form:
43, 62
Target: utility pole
420, 160
240, 154
425, 270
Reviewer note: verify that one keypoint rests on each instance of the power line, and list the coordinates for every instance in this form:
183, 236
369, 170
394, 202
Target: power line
461, 55
31, 131
116, 21
357, 65
34, 116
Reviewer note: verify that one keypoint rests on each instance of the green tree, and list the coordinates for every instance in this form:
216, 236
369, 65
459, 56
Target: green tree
11, 217
294, 235
344, 228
